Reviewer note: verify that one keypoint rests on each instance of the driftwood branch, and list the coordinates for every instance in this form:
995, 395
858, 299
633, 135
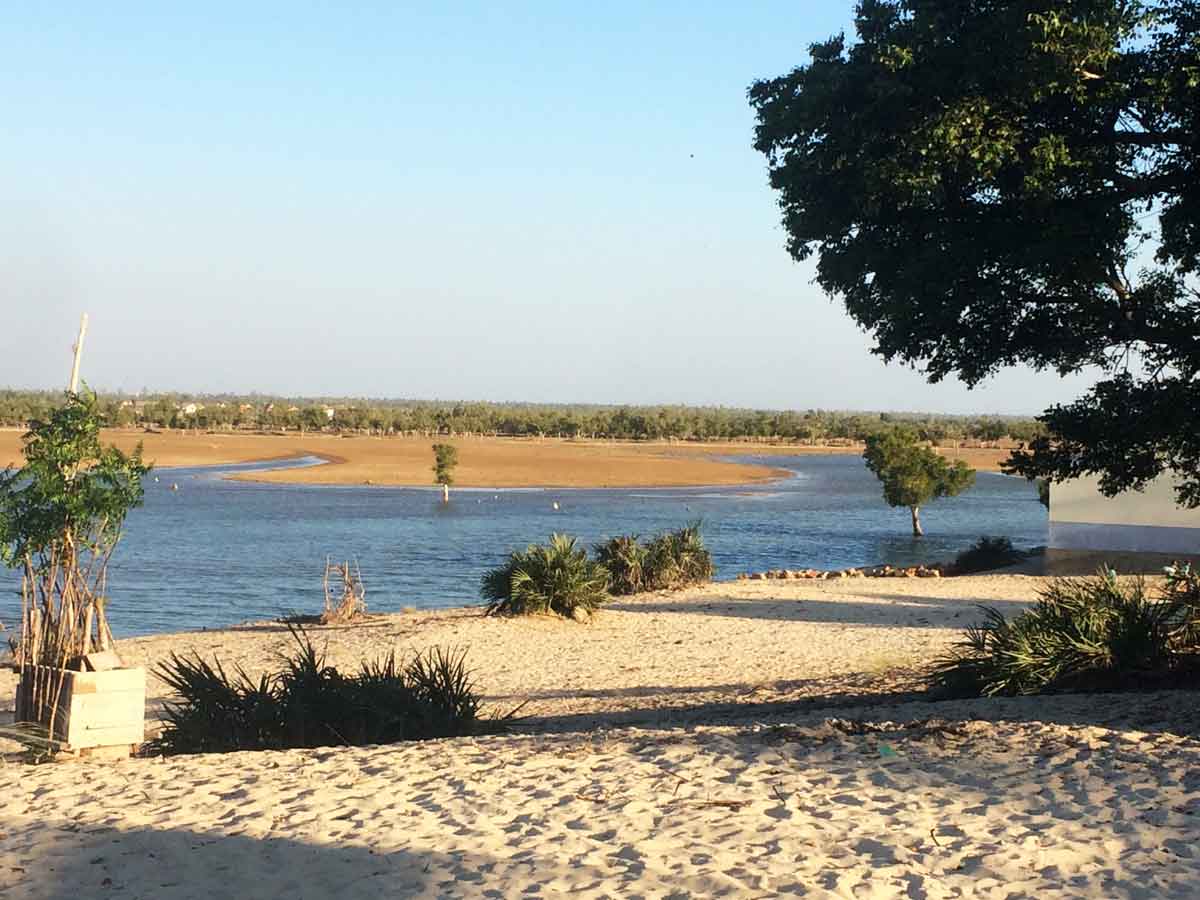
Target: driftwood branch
352, 603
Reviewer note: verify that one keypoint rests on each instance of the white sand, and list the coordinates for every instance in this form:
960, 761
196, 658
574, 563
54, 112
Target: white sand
792, 791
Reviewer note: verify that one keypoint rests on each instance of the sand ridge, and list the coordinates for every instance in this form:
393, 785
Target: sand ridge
484, 461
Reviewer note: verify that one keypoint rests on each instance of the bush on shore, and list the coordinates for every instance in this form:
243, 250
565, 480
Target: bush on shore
625, 559
1094, 633
556, 577
678, 559
985, 554
311, 704
672, 560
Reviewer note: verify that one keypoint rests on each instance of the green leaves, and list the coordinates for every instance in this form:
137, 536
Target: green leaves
556, 577
71, 491
912, 473
977, 178
667, 562
445, 458
307, 703
1081, 634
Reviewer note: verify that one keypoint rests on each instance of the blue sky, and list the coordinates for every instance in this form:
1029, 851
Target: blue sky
556, 202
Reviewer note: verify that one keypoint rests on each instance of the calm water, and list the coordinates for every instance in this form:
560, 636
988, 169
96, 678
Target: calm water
217, 552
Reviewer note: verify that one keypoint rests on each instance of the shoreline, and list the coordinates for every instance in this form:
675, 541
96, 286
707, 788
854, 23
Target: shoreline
485, 462
262, 477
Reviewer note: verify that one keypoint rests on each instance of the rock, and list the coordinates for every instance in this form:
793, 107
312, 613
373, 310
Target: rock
742, 576
757, 576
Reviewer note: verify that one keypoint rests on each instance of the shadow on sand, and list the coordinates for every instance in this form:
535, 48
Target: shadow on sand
98, 860
890, 610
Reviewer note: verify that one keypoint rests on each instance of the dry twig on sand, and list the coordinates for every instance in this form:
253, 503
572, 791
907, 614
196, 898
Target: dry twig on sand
352, 604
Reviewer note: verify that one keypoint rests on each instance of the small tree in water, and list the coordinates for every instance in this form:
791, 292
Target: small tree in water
913, 474
445, 458
60, 520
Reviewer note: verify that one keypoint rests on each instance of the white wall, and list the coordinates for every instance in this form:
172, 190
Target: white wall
1149, 521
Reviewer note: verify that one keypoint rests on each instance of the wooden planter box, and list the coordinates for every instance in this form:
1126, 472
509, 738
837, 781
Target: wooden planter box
99, 709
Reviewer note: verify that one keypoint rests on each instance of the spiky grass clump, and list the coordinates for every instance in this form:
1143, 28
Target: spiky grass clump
678, 559
1183, 588
556, 577
985, 554
1089, 632
625, 559
310, 704
672, 560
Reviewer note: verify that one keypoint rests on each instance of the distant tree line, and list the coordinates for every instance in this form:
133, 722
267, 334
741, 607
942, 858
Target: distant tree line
419, 417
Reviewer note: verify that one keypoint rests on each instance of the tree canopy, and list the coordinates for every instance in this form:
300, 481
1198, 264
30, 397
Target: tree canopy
912, 473
987, 183
445, 458
72, 495
395, 416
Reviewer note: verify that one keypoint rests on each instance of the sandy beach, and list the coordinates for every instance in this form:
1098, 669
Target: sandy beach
483, 461
753, 739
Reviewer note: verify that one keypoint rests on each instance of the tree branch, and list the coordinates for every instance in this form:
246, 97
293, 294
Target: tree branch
1149, 138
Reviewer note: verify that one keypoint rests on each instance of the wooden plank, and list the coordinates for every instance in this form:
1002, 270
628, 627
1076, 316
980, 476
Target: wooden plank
97, 719
115, 680
103, 737
104, 661
101, 709
98, 709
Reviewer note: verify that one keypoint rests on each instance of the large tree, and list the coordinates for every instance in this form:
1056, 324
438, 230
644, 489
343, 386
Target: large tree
986, 183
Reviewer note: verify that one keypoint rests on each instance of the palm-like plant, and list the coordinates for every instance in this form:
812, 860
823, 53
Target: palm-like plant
311, 704
667, 562
556, 577
678, 559
1093, 632
625, 559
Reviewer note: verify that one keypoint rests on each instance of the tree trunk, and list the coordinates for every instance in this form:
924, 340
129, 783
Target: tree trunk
916, 519
445, 493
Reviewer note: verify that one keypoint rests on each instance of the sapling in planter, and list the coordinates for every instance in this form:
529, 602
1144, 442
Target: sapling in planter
60, 520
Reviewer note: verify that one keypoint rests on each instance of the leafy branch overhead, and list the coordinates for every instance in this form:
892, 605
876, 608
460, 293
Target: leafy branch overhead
988, 184
71, 491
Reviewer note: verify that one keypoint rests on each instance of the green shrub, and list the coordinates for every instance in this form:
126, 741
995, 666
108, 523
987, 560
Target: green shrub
552, 578
311, 704
678, 559
1090, 632
625, 559
672, 560
985, 554
1183, 588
